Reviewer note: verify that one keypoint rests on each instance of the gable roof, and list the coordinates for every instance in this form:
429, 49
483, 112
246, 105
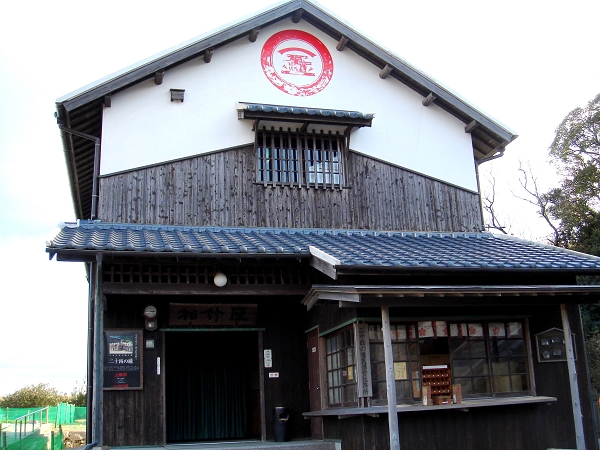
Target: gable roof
340, 250
82, 109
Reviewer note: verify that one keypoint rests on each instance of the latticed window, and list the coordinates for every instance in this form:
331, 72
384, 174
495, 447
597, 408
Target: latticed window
406, 363
489, 357
341, 379
301, 159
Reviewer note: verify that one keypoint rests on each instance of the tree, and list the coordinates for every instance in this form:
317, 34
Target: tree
573, 208
33, 396
78, 395
575, 204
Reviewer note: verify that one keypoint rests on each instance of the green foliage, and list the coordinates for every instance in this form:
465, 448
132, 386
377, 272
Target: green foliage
592, 344
78, 396
34, 396
575, 204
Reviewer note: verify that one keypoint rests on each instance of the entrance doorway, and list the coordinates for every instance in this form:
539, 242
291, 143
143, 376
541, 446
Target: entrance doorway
212, 386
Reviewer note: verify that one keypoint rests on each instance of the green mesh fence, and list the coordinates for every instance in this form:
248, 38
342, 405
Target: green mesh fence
57, 440
39, 439
62, 414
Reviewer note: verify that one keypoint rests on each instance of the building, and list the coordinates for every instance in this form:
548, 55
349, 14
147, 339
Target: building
281, 213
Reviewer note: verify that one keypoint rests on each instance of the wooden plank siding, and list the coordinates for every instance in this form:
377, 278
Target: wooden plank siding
220, 189
137, 418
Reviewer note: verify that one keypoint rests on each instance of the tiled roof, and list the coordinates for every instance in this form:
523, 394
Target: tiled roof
351, 247
301, 110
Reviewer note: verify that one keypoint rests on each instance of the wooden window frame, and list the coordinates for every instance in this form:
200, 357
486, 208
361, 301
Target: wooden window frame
340, 367
415, 381
300, 158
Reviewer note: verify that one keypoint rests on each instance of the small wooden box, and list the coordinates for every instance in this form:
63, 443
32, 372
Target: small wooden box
427, 396
442, 400
457, 393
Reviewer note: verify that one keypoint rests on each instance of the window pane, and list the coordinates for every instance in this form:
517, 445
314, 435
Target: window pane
403, 390
377, 352
516, 348
466, 385
478, 349
461, 348
479, 367
518, 365
500, 366
481, 386
400, 352
499, 348
502, 384
461, 368
519, 383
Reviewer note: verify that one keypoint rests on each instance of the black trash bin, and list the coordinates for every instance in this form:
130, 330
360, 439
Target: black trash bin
282, 424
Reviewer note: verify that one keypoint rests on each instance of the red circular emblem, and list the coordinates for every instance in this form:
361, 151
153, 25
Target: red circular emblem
297, 63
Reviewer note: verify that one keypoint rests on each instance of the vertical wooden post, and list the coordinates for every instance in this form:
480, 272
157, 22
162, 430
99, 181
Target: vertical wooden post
97, 401
390, 379
577, 416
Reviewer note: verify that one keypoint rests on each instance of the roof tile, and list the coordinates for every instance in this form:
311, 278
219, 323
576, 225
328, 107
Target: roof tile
351, 247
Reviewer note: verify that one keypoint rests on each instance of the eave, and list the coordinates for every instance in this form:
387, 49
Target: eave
399, 296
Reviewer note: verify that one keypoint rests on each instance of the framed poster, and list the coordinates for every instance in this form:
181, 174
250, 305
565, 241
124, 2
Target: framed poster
122, 359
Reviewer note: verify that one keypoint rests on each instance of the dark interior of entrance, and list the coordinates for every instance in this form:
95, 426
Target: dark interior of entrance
212, 386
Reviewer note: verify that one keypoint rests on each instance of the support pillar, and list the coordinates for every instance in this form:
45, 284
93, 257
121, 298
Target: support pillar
98, 382
577, 416
390, 379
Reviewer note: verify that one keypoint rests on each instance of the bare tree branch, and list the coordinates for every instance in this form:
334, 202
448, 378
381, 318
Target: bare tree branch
488, 202
529, 184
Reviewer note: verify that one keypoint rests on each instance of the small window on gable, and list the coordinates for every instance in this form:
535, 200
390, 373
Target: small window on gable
299, 146
301, 159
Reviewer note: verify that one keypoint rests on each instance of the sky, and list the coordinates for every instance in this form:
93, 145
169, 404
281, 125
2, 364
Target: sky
525, 63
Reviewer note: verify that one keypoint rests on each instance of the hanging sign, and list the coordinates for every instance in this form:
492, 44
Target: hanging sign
363, 358
122, 359
200, 314
296, 63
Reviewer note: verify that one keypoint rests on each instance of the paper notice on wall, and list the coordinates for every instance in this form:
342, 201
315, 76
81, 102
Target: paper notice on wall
496, 329
515, 329
441, 328
475, 330
458, 330
425, 329
400, 372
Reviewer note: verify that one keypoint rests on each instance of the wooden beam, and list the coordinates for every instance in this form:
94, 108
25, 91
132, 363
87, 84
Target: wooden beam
208, 55
323, 262
575, 402
390, 379
429, 99
158, 77
204, 289
342, 43
471, 126
385, 72
297, 15
254, 35
107, 101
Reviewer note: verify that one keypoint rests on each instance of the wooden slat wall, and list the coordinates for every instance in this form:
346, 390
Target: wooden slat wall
220, 189
135, 417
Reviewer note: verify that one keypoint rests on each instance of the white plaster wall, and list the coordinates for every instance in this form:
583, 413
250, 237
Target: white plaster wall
144, 127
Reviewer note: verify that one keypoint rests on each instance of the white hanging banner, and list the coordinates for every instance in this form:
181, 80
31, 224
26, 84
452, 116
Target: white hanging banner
363, 360
496, 329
